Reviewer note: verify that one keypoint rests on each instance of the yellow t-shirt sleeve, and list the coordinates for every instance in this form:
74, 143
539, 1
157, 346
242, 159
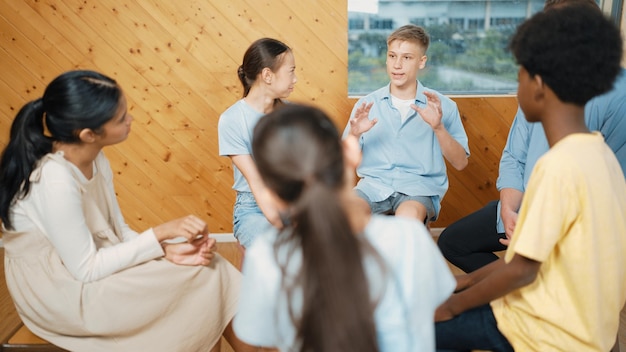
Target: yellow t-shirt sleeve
547, 211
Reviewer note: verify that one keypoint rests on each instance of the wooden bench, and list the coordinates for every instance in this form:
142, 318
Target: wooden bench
14, 336
25, 341
9, 320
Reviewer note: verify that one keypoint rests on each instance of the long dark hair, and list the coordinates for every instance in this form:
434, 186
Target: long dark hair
264, 52
298, 153
73, 101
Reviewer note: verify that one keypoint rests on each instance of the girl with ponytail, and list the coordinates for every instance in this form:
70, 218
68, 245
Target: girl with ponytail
79, 276
267, 75
334, 277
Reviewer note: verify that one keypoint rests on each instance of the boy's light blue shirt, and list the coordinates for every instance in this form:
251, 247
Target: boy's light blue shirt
527, 141
405, 156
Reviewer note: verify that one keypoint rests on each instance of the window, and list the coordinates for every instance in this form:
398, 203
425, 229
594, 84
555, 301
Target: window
506, 21
419, 22
356, 23
457, 23
381, 23
468, 50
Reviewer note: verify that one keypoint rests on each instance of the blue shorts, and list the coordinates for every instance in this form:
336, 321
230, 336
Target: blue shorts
391, 204
248, 220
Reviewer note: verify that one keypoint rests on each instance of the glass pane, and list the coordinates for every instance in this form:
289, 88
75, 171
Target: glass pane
468, 50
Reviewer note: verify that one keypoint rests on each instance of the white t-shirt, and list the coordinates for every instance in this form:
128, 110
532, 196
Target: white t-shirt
418, 280
404, 106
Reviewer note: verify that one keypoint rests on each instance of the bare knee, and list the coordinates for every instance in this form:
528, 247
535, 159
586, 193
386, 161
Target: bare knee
412, 209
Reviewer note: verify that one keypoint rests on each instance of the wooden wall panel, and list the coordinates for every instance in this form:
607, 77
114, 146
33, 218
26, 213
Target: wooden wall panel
177, 62
487, 122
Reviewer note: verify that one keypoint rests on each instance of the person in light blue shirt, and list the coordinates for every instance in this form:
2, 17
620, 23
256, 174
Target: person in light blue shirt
268, 77
470, 242
335, 277
408, 133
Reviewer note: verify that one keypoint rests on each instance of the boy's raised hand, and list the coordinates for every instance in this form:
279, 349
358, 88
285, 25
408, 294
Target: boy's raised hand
361, 123
432, 113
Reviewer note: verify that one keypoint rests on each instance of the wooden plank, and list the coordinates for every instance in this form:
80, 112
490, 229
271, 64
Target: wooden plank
10, 321
24, 339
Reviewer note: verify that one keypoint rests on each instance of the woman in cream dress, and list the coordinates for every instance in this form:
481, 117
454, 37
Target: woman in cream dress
79, 276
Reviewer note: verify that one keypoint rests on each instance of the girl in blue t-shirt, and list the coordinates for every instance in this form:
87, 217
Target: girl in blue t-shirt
268, 76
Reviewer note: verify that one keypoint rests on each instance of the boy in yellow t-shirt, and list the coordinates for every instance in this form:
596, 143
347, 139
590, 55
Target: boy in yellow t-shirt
562, 282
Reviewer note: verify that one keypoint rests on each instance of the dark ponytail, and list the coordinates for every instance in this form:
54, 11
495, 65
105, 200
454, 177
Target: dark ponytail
71, 102
27, 144
338, 313
244, 81
298, 152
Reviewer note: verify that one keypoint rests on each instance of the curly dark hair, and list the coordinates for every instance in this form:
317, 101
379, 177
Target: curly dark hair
576, 51
557, 3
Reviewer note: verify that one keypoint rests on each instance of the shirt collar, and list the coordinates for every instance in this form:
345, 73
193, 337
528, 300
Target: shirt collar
420, 97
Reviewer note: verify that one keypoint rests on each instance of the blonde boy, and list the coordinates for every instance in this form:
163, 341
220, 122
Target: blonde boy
409, 132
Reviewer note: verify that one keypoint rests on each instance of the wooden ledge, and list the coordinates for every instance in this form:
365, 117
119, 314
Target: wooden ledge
25, 341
